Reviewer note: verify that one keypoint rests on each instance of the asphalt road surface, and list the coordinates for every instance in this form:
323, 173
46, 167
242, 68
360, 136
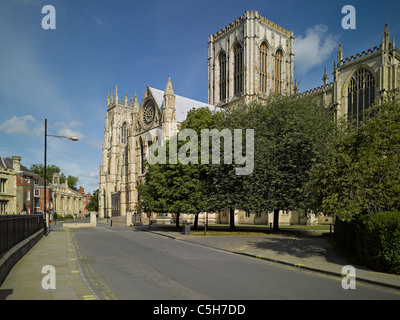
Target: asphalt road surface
120, 263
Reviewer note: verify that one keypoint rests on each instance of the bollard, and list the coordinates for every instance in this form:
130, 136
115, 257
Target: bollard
93, 219
111, 223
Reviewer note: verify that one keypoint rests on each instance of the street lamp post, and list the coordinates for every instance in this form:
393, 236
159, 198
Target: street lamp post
45, 168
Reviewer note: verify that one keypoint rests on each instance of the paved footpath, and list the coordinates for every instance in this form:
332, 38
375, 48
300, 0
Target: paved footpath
307, 250
24, 282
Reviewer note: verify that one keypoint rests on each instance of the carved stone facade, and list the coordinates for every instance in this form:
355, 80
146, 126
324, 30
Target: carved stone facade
360, 80
67, 201
249, 59
129, 132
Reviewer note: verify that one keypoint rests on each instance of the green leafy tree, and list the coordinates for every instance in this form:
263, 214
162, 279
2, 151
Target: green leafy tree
291, 135
363, 174
51, 169
177, 188
93, 204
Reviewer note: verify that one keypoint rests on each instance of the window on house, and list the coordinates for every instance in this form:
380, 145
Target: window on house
361, 94
278, 71
222, 76
238, 69
3, 207
3, 185
28, 195
36, 192
263, 67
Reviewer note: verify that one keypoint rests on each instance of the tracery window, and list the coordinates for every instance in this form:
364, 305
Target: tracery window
263, 67
222, 76
142, 156
238, 69
361, 94
124, 133
278, 71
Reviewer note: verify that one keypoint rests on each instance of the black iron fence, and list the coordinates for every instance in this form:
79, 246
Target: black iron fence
16, 228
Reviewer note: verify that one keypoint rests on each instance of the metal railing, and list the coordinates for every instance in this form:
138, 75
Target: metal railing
16, 228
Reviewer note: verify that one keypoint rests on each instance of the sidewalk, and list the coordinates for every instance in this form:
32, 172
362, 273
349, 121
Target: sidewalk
24, 282
303, 249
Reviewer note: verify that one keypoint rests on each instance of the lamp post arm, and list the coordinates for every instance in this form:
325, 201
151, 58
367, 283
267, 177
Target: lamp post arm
45, 169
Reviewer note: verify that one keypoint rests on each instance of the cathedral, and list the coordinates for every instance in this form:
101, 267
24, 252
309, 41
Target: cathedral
249, 59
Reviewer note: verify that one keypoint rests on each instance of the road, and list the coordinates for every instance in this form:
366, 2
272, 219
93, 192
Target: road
120, 263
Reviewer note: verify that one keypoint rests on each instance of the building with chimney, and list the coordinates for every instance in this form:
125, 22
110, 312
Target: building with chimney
21, 191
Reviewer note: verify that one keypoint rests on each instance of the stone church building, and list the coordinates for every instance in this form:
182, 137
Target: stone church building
249, 59
130, 130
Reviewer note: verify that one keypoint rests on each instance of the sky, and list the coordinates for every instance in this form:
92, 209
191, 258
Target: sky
63, 74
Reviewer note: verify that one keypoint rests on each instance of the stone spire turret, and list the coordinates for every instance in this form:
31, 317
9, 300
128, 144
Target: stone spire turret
325, 78
340, 55
135, 105
169, 102
386, 37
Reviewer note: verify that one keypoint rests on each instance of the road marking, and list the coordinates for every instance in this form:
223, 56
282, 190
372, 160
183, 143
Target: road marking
89, 297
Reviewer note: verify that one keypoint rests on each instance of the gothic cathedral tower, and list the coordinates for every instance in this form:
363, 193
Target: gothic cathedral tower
249, 59
129, 132
114, 168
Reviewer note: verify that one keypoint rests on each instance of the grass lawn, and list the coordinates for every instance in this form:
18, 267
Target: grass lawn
248, 230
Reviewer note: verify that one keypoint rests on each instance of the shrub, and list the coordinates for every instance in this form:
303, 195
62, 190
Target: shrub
372, 240
381, 241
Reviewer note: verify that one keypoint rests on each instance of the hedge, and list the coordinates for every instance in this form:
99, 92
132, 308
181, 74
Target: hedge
373, 240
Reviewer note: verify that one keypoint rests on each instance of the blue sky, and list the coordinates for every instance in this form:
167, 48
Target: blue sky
64, 74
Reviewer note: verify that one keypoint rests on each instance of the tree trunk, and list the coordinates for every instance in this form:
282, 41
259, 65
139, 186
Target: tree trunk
232, 219
196, 221
276, 220
177, 220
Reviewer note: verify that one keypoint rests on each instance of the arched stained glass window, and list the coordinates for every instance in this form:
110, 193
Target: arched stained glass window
263, 67
278, 71
124, 133
222, 76
142, 156
361, 94
238, 69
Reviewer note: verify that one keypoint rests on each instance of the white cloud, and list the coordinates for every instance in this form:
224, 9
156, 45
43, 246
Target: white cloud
68, 129
313, 48
92, 175
23, 125
96, 143
18, 125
